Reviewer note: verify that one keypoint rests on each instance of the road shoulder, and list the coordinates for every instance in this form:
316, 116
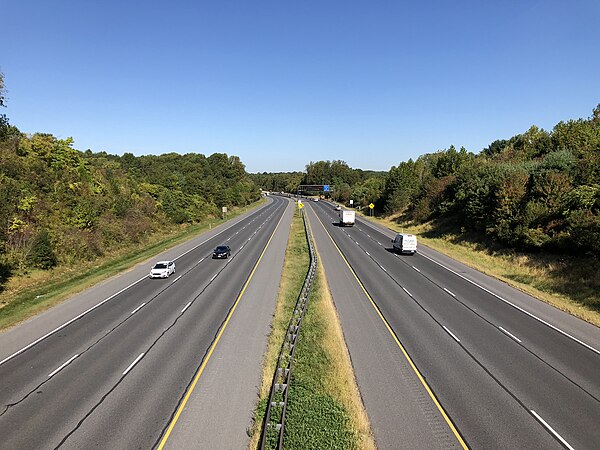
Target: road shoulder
400, 410
219, 411
16, 338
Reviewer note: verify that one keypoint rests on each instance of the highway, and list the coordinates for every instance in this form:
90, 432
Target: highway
493, 367
114, 376
506, 370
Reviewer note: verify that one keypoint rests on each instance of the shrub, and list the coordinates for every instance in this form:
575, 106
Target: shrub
42, 254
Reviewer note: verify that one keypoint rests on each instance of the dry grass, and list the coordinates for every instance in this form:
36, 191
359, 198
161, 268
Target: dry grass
321, 328
27, 294
568, 283
342, 383
295, 267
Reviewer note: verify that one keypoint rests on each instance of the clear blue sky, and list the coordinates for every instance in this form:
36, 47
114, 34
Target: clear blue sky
282, 83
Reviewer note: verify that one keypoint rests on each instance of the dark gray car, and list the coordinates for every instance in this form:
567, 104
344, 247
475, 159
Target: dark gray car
222, 251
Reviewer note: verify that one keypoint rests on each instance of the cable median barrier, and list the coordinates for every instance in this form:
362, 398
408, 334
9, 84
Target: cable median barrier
274, 422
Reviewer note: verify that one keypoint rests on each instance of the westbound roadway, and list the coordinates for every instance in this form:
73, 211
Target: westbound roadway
115, 376
444, 356
506, 370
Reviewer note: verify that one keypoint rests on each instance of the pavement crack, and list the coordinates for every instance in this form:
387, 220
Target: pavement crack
158, 338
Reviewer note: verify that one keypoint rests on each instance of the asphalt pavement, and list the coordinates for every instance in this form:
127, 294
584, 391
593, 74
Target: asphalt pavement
110, 367
508, 371
219, 411
444, 356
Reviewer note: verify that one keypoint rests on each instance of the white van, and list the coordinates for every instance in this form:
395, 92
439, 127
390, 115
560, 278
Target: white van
405, 243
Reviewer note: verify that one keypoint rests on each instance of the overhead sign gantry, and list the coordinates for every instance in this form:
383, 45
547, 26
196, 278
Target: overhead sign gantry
318, 189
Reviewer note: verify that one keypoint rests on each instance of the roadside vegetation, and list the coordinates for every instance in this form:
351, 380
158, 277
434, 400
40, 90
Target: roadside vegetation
524, 209
324, 406
38, 290
567, 282
68, 215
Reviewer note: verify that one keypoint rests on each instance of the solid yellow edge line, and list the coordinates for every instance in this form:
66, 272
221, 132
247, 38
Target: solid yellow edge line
404, 352
212, 347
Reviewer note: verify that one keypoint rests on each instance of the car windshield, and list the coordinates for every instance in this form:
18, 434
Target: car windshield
160, 266
221, 249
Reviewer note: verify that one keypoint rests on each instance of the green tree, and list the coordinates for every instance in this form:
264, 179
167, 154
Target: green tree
449, 162
42, 254
495, 147
369, 191
401, 183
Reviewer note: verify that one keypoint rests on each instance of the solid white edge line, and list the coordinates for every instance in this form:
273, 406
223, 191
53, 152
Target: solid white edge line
451, 334
133, 363
186, 307
66, 363
510, 334
138, 308
451, 293
533, 316
549, 428
50, 333
18, 352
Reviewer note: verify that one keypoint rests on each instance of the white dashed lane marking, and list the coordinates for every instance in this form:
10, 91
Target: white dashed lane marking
62, 366
510, 334
451, 334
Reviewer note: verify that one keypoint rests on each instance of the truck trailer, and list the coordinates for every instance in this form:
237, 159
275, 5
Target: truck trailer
347, 218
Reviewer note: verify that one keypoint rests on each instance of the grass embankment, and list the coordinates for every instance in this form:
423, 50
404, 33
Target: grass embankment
324, 405
571, 284
29, 294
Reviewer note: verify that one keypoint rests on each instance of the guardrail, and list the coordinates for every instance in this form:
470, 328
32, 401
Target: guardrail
274, 422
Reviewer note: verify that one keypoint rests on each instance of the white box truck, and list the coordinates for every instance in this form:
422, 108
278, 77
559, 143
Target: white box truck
405, 243
347, 218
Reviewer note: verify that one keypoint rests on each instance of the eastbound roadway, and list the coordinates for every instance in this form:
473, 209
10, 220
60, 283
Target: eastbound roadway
109, 368
493, 368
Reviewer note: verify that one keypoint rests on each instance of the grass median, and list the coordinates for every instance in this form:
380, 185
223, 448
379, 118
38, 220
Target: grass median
324, 406
38, 290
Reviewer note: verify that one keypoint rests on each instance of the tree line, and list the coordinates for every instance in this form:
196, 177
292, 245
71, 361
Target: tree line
363, 186
61, 206
539, 190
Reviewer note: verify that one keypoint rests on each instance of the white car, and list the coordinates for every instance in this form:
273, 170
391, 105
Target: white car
162, 269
